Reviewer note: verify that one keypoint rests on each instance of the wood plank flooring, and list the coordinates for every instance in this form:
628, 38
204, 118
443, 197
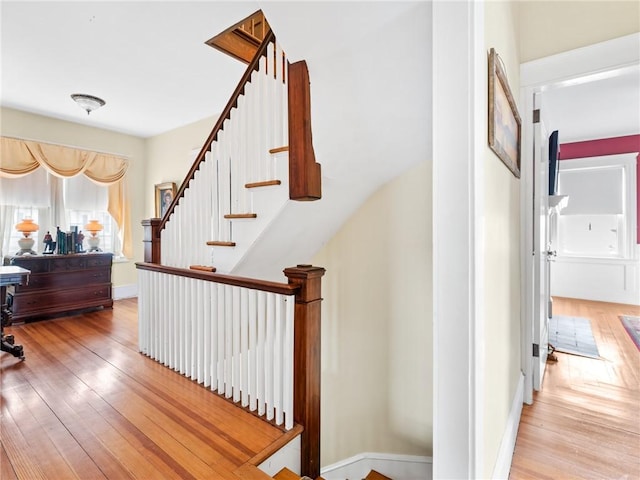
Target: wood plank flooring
585, 422
87, 405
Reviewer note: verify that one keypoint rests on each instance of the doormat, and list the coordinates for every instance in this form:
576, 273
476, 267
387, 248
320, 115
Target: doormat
572, 335
632, 326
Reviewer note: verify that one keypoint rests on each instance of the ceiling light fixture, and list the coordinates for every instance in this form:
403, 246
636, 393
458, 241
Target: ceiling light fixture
87, 102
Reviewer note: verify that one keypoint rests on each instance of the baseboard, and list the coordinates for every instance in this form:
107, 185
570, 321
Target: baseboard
125, 291
398, 467
508, 444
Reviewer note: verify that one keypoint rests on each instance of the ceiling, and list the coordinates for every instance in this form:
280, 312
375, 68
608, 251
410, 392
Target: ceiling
148, 60
595, 108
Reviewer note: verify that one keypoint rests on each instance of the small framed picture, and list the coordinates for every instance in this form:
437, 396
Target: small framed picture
504, 121
165, 193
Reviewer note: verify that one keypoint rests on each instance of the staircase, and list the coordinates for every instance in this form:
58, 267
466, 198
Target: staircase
286, 474
257, 160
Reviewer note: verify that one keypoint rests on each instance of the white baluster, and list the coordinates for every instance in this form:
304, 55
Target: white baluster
207, 345
261, 351
244, 346
252, 313
269, 354
235, 342
277, 358
221, 337
213, 322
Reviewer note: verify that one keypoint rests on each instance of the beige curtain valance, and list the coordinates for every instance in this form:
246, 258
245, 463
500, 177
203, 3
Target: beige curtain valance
21, 157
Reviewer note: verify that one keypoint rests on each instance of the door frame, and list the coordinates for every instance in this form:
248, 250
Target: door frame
600, 60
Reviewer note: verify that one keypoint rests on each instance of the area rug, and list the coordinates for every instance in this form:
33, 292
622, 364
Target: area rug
632, 326
572, 335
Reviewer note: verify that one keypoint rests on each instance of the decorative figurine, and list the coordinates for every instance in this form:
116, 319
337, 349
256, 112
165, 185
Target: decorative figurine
80, 239
49, 244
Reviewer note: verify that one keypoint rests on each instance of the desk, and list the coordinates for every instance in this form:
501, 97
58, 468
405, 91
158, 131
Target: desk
10, 275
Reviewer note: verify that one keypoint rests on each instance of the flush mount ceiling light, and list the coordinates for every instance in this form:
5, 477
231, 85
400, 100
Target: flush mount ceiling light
87, 102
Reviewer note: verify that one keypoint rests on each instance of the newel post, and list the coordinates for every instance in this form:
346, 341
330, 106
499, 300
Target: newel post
151, 240
306, 363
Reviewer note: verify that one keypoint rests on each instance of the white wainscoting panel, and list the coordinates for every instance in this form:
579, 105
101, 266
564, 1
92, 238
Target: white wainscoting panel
602, 280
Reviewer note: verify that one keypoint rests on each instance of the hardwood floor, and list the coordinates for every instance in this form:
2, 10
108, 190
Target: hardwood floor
85, 404
585, 422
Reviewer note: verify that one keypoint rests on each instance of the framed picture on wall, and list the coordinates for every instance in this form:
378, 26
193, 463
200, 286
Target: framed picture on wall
504, 121
165, 193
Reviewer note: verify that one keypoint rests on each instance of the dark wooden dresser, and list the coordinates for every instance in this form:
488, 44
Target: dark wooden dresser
61, 284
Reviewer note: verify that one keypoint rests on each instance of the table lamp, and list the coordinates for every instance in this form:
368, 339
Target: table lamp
93, 227
26, 227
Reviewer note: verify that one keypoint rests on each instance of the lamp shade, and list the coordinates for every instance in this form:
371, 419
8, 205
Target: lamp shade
94, 227
27, 227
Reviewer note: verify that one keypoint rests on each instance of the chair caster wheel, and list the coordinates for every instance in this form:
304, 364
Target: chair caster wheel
9, 339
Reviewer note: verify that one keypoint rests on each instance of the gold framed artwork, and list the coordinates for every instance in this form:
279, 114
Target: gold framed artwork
504, 121
165, 193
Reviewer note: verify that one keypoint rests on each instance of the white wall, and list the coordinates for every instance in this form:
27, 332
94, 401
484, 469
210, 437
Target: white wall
376, 325
547, 28
502, 254
169, 157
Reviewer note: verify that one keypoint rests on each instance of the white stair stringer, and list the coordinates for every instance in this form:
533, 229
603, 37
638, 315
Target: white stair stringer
267, 203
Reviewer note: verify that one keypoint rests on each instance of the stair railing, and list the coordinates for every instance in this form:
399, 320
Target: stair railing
266, 116
215, 194
254, 342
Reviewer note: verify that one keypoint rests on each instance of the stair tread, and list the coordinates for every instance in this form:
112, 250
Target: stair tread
373, 475
284, 148
266, 183
204, 268
286, 474
216, 243
240, 215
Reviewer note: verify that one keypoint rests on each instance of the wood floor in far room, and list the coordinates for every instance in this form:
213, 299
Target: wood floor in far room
585, 422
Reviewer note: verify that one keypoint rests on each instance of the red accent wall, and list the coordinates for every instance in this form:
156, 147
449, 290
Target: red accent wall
608, 146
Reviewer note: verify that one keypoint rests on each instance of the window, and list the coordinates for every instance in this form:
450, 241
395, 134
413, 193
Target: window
599, 219
51, 202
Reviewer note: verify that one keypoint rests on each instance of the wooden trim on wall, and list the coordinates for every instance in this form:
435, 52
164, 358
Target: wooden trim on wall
600, 147
304, 172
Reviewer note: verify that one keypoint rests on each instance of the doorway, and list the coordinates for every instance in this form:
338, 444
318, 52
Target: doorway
609, 59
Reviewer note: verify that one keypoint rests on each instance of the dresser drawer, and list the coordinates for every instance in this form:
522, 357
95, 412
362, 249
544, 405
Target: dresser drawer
77, 278
55, 301
65, 264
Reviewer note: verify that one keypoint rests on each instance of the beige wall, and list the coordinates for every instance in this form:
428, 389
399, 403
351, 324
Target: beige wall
15, 123
377, 325
502, 254
169, 157
550, 27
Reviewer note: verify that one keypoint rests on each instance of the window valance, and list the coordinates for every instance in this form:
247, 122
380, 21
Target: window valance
21, 157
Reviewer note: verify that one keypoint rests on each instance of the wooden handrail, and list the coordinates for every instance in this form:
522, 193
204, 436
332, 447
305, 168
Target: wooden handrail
233, 101
252, 283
